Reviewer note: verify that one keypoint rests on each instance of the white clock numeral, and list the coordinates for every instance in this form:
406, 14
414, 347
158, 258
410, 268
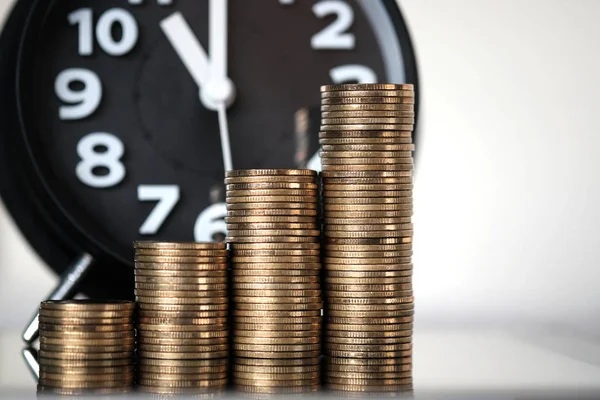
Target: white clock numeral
167, 197
160, 2
100, 150
286, 2
84, 101
334, 36
211, 222
351, 73
83, 18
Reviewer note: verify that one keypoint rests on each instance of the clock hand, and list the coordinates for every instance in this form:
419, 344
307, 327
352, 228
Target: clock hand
187, 46
224, 132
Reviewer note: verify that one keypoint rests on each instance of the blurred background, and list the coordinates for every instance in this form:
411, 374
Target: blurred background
506, 219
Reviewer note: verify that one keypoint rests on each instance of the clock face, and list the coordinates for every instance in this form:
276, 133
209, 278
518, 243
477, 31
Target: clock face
115, 126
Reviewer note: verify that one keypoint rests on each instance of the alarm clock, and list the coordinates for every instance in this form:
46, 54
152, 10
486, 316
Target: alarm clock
108, 122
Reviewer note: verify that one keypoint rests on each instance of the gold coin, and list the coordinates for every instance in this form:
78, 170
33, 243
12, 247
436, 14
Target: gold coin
83, 321
379, 158
375, 390
332, 294
369, 227
276, 279
280, 253
392, 196
373, 382
278, 293
67, 363
271, 185
368, 107
147, 274
370, 375
273, 232
377, 166
364, 215
308, 388
276, 286
365, 134
384, 202
277, 320
86, 315
275, 370
273, 199
360, 275
328, 141
368, 254
367, 181
275, 212
271, 205
367, 86
276, 376
125, 382
51, 391
270, 179
362, 348
267, 172
270, 219
182, 356
182, 321
272, 192
146, 375
179, 245
274, 273
197, 393
276, 266
87, 342
87, 305
275, 259
163, 348
377, 116
181, 253
367, 341
365, 365
181, 328
276, 362
275, 246
86, 349
207, 363
92, 371
272, 225
368, 248
145, 307
368, 97
368, 234
181, 314
181, 300
213, 294
369, 267
277, 327
351, 187
368, 149
311, 333
398, 299
366, 261
68, 355
169, 268
180, 260
183, 342
201, 280
368, 328
312, 305
261, 341
277, 348
370, 241
174, 370
371, 307
273, 383
277, 355
60, 327
182, 383
346, 94
366, 127
366, 174
369, 281
366, 120
86, 377
179, 287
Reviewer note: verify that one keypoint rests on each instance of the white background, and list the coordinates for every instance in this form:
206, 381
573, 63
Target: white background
507, 196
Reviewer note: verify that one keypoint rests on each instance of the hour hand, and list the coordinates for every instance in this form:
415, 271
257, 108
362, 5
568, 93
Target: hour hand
187, 46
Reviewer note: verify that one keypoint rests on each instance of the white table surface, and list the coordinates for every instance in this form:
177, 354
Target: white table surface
446, 361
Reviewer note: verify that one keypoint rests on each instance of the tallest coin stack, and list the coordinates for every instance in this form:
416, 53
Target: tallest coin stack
366, 138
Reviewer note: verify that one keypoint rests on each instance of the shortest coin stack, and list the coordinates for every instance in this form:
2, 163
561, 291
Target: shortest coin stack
181, 293
86, 346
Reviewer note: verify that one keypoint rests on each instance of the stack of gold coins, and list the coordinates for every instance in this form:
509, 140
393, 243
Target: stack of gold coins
182, 331
273, 232
86, 346
366, 138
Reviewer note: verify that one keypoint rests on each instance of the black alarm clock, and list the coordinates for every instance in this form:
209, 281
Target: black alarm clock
108, 122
